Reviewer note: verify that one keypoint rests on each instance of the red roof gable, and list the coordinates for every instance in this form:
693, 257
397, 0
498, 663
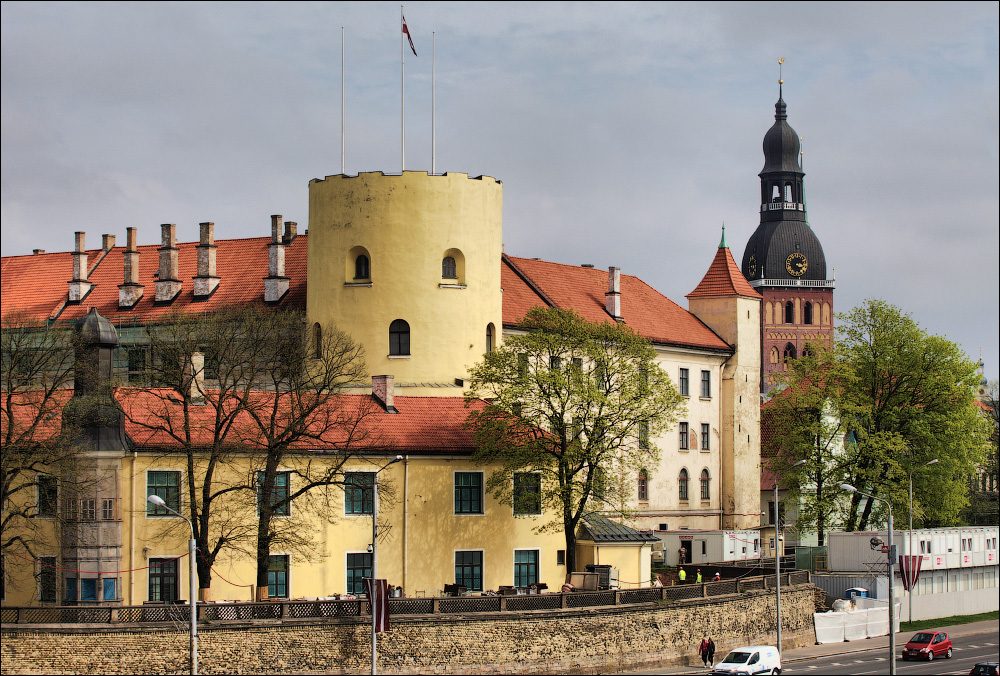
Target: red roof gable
724, 278
38, 284
530, 282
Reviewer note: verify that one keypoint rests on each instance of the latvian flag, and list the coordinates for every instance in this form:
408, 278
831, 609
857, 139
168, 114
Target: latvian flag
407, 32
909, 567
378, 595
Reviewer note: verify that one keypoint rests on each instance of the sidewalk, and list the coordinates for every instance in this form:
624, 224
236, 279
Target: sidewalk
956, 632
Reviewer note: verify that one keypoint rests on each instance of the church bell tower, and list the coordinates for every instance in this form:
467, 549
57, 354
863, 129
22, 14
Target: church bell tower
784, 260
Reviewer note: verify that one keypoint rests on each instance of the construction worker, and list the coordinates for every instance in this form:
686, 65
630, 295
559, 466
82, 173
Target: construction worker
682, 576
697, 578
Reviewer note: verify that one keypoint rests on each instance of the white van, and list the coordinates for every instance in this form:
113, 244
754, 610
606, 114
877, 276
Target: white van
753, 659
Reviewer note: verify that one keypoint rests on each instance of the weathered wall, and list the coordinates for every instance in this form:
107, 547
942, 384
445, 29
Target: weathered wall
593, 640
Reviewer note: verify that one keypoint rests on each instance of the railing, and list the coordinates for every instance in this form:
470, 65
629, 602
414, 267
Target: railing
349, 608
824, 283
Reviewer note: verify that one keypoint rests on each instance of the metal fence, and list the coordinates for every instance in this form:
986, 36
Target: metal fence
348, 608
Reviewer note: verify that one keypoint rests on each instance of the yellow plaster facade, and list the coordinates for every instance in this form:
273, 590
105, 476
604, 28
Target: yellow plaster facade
407, 225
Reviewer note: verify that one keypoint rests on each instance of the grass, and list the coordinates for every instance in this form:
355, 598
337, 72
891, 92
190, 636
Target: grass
947, 621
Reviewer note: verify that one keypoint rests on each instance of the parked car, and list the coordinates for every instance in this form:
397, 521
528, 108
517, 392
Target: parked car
986, 669
753, 659
927, 645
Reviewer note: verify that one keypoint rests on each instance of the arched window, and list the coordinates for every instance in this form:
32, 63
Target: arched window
317, 341
362, 268
775, 193
789, 352
643, 485
807, 313
806, 352
788, 192
682, 486
705, 484
448, 268
789, 312
489, 337
399, 337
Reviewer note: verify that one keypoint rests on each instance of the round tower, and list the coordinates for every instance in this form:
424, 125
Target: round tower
784, 259
409, 266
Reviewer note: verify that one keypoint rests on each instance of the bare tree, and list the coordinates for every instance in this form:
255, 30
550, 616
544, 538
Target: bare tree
37, 377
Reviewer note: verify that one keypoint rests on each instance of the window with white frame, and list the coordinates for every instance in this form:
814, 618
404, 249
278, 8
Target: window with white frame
165, 484
525, 567
469, 569
527, 496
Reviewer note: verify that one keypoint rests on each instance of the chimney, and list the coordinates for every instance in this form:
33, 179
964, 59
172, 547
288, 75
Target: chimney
382, 390
613, 298
79, 286
205, 282
275, 284
291, 232
130, 291
35, 252
107, 242
167, 284
196, 371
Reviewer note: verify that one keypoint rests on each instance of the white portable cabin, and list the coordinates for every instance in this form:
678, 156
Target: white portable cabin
709, 546
941, 548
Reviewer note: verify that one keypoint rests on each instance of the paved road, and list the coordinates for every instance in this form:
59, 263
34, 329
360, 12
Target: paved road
975, 642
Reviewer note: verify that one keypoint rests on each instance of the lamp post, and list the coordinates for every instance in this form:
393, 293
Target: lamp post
909, 546
375, 558
192, 548
892, 596
777, 554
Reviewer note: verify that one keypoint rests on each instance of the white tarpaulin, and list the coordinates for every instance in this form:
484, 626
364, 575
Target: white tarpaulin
852, 625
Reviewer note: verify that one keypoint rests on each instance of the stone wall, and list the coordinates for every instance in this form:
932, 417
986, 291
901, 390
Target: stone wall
601, 640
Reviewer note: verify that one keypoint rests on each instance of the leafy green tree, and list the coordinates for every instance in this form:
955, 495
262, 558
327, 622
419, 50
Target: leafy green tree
901, 398
578, 404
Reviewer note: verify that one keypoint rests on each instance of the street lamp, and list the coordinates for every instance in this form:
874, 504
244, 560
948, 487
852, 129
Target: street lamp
777, 553
909, 547
192, 548
892, 596
371, 600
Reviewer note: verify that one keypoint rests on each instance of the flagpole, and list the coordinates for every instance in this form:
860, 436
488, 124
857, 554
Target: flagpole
343, 100
433, 62
402, 95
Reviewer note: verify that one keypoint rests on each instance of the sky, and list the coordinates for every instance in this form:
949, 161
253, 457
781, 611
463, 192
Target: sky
625, 134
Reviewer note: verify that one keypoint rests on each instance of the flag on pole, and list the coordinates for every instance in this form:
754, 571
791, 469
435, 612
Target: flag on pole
909, 566
407, 32
378, 596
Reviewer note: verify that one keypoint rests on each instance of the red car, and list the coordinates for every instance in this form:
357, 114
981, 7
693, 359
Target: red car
928, 645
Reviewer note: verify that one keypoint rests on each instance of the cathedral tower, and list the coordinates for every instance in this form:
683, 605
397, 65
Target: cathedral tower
784, 260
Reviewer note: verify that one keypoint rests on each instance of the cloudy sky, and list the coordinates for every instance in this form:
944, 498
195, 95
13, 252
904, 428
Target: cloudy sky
624, 134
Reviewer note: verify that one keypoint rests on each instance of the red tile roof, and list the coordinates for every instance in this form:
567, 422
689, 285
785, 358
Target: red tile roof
38, 285
425, 425
529, 282
724, 278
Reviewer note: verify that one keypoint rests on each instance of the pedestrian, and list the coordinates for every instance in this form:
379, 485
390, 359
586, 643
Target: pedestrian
711, 653
703, 651
682, 576
697, 578
681, 556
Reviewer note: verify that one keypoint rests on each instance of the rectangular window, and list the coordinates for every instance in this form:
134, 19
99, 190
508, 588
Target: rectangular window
469, 570
279, 493
48, 495
527, 494
685, 383
705, 437
277, 576
468, 492
706, 384
70, 595
47, 579
88, 509
770, 512
683, 432
525, 567
555, 363
643, 485
358, 492
110, 589
109, 509
560, 557
163, 580
522, 365
166, 485
137, 365
643, 435
359, 566
88, 589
